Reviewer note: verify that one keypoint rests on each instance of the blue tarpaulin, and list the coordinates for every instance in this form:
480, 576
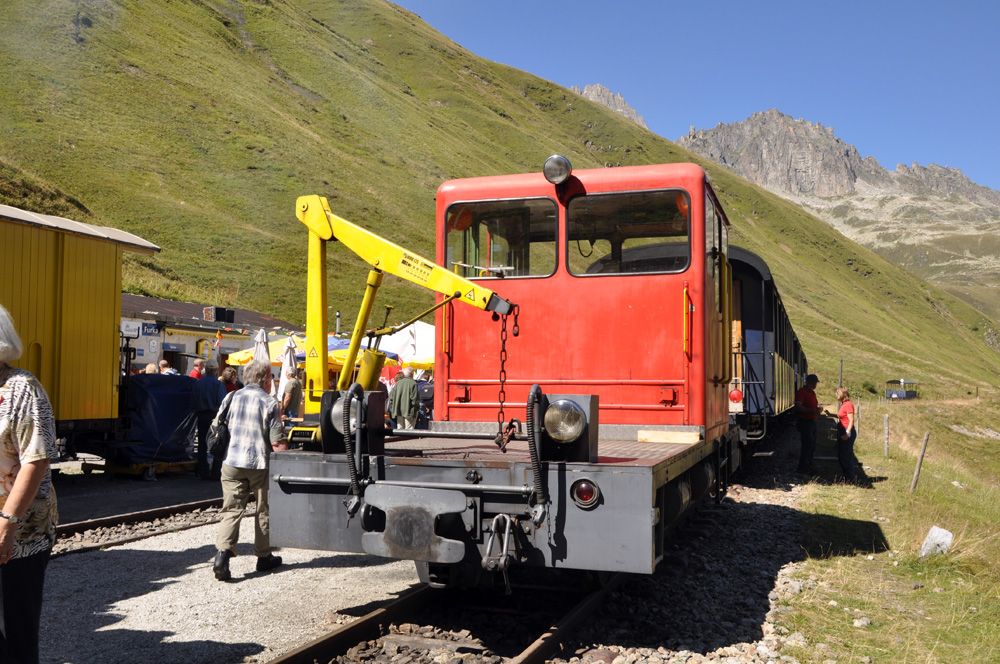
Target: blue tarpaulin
163, 425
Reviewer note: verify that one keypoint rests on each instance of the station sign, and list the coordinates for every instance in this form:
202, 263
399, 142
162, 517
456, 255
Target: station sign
130, 329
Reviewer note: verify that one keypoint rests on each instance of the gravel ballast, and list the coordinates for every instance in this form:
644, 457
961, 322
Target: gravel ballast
714, 598
157, 600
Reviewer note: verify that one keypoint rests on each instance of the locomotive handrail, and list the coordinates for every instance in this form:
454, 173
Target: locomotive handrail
749, 371
687, 307
568, 381
727, 314
524, 490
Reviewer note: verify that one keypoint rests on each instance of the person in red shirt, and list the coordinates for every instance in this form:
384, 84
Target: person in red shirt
847, 433
229, 379
199, 369
806, 411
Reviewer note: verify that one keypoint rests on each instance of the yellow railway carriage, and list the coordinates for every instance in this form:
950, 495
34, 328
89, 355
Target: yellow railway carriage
61, 281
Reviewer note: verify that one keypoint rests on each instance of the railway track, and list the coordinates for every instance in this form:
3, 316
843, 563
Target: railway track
93, 534
425, 623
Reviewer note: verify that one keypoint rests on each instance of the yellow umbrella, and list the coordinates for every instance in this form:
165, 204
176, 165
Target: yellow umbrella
335, 359
275, 350
420, 363
338, 356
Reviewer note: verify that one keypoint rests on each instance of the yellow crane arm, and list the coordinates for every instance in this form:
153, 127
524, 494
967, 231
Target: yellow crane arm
383, 255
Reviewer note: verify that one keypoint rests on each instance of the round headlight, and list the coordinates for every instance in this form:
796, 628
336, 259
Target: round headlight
337, 415
557, 168
564, 420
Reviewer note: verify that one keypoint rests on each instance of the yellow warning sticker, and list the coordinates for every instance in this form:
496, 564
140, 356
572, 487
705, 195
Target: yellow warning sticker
471, 296
313, 353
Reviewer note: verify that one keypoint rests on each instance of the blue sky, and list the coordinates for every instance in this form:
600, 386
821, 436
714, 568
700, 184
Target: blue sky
903, 82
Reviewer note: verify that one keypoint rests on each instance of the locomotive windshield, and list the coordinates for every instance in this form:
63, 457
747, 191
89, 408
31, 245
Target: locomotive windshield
628, 233
617, 233
511, 238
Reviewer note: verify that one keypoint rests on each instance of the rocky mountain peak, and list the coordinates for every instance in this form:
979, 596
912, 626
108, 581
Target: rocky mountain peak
932, 220
786, 155
802, 158
600, 94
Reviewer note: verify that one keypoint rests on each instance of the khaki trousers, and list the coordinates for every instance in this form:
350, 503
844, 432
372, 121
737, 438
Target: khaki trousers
237, 486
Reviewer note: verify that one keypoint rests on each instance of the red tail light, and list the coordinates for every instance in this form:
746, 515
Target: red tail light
585, 493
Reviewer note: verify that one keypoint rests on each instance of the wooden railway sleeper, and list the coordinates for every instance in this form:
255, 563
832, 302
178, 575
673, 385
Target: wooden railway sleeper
504, 558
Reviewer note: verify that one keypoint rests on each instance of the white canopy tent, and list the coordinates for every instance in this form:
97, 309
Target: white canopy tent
413, 344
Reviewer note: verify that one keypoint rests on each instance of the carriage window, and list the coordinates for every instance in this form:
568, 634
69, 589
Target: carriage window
498, 239
628, 233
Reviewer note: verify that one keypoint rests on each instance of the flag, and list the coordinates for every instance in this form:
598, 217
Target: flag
218, 338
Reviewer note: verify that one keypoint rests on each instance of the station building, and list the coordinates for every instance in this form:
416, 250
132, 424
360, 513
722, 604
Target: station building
181, 332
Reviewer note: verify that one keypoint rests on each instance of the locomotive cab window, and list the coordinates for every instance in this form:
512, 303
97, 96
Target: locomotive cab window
628, 233
499, 239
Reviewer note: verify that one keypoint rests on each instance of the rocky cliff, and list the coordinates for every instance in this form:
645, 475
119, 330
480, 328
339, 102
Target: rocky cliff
931, 219
600, 94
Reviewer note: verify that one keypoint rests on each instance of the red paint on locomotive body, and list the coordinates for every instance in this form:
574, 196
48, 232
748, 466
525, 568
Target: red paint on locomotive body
620, 295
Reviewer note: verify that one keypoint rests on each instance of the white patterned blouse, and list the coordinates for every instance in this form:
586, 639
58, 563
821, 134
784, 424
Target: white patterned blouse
28, 433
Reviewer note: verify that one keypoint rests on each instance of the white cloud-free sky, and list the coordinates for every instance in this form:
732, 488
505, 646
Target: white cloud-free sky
904, 82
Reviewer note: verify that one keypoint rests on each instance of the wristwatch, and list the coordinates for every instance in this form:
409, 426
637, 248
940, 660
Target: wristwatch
13, 519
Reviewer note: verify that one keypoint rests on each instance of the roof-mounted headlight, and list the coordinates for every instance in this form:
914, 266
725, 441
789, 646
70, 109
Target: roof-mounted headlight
557, 168
564, 421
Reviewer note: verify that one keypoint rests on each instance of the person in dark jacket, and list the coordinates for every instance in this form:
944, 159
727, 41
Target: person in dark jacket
404, 400
206, 397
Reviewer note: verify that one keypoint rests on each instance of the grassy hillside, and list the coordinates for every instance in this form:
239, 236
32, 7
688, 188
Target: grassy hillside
942, 609
196, 125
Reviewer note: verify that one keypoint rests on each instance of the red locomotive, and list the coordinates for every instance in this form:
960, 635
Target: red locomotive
575, 431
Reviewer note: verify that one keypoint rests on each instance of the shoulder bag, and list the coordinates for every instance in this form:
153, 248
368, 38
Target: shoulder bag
218, 433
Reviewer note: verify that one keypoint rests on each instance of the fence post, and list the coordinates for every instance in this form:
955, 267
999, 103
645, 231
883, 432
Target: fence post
887, 435
920, 461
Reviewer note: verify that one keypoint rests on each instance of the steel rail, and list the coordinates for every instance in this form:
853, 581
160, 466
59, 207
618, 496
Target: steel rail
70, 529
539, 651
365, 628
373, 626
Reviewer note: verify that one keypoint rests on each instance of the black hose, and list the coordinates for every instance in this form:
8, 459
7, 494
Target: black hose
534, 442
355, 391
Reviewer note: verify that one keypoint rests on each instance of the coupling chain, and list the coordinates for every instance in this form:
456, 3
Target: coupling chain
503, 374
503, 437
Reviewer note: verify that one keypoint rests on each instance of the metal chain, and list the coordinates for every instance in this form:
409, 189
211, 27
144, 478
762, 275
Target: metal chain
503, 372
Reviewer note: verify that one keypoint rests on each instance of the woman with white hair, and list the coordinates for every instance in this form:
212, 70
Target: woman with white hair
27, 500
